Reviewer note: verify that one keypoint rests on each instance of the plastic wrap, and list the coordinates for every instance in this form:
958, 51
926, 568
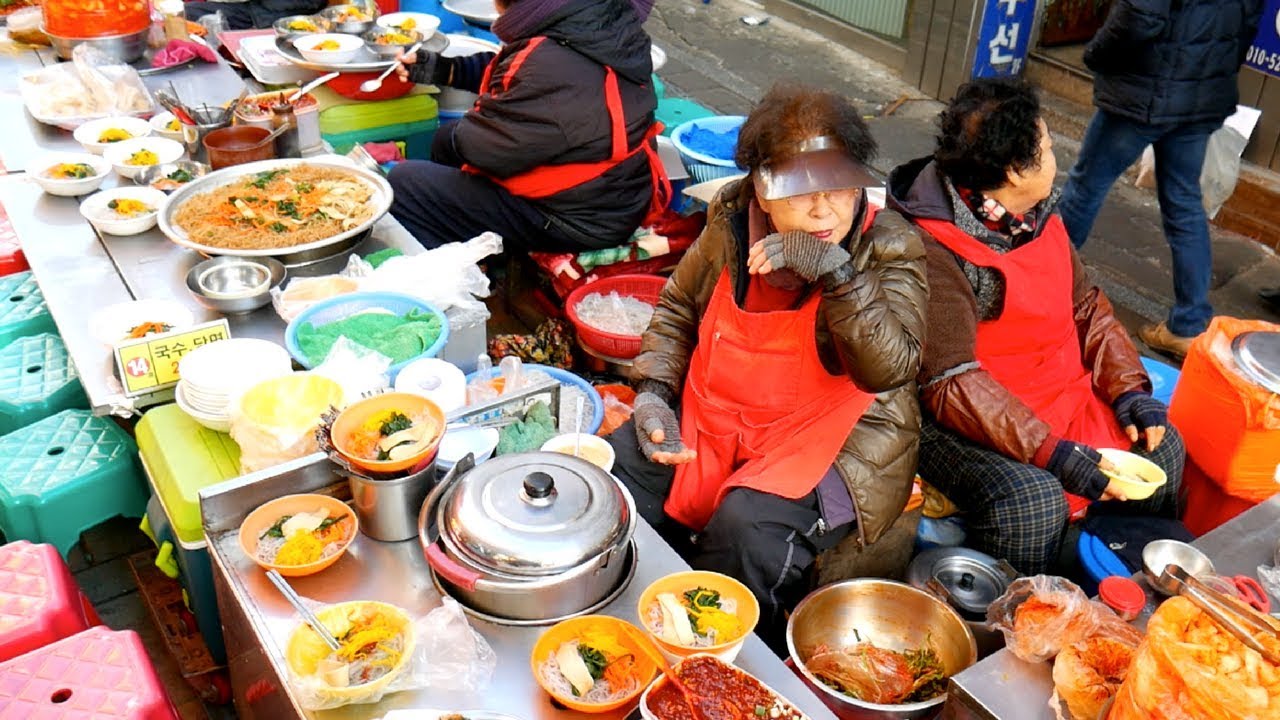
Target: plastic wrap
359, 370
1042, 614
1087, 675
274, 421
1188, 668
440, 650
91, 86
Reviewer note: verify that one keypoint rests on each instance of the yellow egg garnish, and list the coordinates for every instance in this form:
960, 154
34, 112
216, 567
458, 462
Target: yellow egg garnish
128, 207
111, 135
173, 125
327, 45
408, 24
142, 157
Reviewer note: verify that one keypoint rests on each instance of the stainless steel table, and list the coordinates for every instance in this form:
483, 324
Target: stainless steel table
1002, 687
80, 271
258, 621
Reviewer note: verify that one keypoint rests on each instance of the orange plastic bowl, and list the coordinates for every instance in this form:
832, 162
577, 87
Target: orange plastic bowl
348, 85
748, 611
267, 515
375, 411
567, 630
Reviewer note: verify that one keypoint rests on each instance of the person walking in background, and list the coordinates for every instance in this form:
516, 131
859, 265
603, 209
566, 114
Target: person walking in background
1164, 75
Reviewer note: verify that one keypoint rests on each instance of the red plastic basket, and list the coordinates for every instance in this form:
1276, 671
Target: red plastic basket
646, 288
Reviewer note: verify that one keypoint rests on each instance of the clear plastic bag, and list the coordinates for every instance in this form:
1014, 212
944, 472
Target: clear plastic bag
1042, 614
359, 370
91, 86
1221, 168
275, 421
1088, 674
440, 650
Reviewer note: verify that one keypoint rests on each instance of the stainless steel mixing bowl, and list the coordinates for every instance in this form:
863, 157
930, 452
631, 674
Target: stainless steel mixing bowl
234, 285
1159, 553
889, 615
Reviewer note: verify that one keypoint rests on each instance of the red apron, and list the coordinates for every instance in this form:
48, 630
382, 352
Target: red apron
548, 180
1033, 348
759, 408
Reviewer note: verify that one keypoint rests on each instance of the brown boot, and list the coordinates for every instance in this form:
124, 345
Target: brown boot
1159, 337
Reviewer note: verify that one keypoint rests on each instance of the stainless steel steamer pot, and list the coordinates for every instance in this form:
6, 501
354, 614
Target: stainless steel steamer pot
528, 537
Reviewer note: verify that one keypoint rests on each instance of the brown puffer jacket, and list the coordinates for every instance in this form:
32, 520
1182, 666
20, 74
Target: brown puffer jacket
870, 327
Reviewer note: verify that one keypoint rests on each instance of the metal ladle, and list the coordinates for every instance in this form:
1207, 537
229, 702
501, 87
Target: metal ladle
369, 86
1234, 617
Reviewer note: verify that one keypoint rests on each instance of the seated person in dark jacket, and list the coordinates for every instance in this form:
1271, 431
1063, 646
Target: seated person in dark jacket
1027, 370
559, 152
250, 14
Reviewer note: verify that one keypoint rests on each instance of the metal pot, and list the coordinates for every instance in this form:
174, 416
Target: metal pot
886, 614
968, 581
529, 538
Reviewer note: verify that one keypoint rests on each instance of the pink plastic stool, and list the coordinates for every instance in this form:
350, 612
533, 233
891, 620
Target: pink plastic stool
39, 601
98, 674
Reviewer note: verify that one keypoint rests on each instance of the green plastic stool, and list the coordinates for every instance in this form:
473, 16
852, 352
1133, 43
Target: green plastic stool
22, 308
37, 379
673, 111
65, 474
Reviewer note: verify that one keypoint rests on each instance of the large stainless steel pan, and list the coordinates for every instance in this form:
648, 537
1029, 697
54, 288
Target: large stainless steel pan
296, 254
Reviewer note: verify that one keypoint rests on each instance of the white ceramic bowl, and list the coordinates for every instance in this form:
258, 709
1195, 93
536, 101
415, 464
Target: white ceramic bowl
97, 210
348, 46
462, 439
89, 133
216, 370
594, 449
68, 187
118, 154
422, 22
440, 381
160, 126
112, 324
216, 422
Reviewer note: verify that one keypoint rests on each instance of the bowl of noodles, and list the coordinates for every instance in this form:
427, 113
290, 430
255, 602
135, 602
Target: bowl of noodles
389, 433
298, 535
697, 611
376, 644
591, 663
294, 210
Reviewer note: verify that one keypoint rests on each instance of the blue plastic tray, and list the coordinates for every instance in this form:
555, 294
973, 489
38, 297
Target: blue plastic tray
567, 378
344, 306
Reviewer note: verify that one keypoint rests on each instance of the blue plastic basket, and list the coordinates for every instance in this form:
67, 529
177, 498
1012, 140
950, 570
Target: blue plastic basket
344, 306
701, 167
567, 378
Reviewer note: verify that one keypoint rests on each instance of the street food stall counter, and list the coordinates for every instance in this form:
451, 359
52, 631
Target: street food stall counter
258, 620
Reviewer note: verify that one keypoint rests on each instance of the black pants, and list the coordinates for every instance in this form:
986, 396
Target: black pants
252, 14
438, 203
765, 541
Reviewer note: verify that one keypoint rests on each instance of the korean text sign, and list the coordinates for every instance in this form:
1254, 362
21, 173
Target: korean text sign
1264, 54
150, 363
1003, 38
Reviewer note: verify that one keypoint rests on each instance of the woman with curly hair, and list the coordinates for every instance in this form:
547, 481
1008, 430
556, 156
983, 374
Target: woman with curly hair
1027, 370
776, 409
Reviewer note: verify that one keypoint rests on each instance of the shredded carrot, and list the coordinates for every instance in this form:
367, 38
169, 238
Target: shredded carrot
621, 672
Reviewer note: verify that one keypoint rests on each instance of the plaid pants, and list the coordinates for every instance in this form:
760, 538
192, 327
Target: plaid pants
1017, 511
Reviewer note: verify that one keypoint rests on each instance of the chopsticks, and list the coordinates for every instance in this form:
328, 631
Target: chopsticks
309, 617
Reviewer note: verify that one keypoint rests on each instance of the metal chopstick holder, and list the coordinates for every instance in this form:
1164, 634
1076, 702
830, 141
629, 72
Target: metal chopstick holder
1225, 611
287, 590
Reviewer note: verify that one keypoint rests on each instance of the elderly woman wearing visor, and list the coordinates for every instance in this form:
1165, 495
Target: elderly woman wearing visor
777, 410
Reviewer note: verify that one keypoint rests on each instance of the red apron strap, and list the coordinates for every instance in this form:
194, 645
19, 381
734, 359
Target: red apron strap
518, 60
617, 118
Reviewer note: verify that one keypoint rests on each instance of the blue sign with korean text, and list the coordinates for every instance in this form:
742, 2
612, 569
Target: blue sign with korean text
1001, 50
1264, 54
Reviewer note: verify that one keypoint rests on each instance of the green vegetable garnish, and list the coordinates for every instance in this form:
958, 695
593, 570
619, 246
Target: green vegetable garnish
395, 424
286, 207
384, 455
595, 661
760, 711
180, 176
277, 227
276, 530
261, 179
702, 597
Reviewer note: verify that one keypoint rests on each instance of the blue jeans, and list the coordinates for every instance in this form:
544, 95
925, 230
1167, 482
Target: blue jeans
1111, 144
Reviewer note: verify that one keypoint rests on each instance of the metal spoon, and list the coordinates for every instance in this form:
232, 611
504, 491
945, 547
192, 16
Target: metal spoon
311, 86
289, 594
369, 86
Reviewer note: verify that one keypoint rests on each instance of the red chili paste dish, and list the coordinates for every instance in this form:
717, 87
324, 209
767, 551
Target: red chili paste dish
719, 692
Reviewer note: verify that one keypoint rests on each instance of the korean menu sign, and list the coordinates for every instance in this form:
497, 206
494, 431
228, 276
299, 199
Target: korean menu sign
1004, 37
150, 363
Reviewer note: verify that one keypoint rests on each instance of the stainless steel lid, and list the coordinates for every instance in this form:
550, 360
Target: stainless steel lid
1257, 355
971, 580
535, 514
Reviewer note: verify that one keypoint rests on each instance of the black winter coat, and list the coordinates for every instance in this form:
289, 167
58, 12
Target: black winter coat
554, 113
1172, 61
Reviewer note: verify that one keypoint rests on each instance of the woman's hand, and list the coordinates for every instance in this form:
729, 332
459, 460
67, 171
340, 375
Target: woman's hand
402, 70
658, 431
802, 253
1142, 415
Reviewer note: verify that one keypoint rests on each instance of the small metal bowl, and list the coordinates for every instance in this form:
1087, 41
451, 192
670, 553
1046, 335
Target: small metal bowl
389, 50
281, 26
235, 285
1159, 553
156, 172
360, 27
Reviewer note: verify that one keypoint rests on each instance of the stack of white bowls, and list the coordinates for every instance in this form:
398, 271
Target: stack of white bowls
213, 375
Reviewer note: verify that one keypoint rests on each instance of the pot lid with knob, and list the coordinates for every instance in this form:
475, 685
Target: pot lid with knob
535, 514
967, 579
